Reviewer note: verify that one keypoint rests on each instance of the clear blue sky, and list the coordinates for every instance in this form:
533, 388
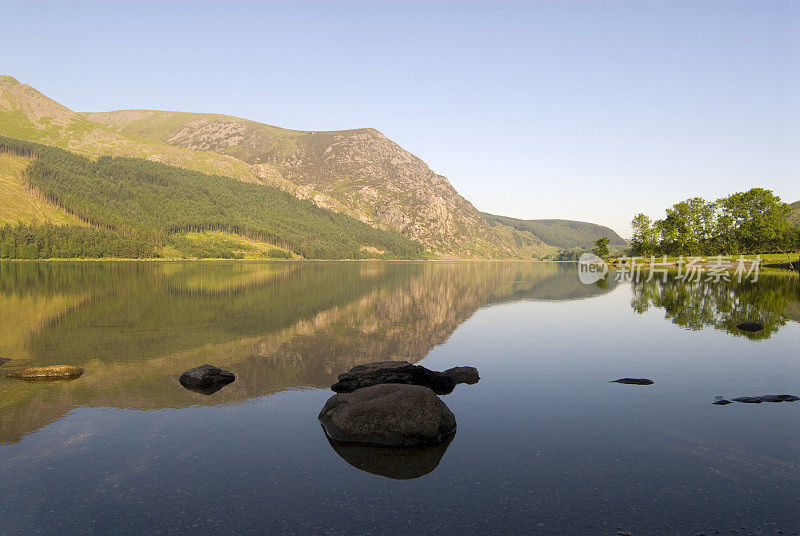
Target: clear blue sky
584, 110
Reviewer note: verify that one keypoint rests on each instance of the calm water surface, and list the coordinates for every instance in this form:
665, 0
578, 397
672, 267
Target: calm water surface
544, 444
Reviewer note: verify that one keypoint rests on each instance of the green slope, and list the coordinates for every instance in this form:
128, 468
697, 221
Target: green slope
794, 215
565, 234
154, 202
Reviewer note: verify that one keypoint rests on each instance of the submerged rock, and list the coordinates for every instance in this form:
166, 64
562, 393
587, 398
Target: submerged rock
388, 414
206, 379
3, 361
402, 372
748, 399
468, 375
779, 398
721, 401
53, 372
400, 463
633, 381
750, 326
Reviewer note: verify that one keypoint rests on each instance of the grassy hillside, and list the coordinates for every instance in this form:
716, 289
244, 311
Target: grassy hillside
157, 204
18, 204
794, 215
563, 234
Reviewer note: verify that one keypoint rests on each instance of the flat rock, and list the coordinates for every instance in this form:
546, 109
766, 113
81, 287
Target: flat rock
468, 375
400, 463
748, 399
633, 381
206, 379
3, 361
779, 398
53, 372
750, 326
388, 414
402, 372
721, 401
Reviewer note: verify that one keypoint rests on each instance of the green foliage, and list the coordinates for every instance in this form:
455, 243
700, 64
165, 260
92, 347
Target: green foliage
69, 242
138, 198
601, 246
565, 234
745, 222
275, 253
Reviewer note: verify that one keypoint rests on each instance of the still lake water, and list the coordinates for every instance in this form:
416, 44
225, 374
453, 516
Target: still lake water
544, 444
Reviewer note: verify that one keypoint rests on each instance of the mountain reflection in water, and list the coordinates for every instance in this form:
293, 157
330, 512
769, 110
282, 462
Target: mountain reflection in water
135, 327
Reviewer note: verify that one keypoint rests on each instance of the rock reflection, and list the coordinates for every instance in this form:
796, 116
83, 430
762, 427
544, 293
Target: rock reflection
403, 463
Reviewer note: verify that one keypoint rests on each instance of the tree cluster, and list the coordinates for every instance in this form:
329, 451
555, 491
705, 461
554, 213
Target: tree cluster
751, 222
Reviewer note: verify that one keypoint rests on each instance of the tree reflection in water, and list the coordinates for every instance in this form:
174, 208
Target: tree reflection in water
771, 300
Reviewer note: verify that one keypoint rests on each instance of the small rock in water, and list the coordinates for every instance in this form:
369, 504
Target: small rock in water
3, 361
53, 372
721, 401
206, 379
633, 381
382, 372
468, 375
388, 414
750, 326
748, 399
779, 398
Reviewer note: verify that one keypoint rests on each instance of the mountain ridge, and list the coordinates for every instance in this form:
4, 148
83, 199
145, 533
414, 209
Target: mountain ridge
358, 172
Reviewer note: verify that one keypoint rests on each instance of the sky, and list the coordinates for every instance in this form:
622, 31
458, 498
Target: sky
592, 111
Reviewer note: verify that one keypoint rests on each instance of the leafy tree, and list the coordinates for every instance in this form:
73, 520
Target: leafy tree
601, 246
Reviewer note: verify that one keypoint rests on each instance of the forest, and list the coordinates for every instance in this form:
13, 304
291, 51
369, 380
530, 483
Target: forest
751, 222
136, 206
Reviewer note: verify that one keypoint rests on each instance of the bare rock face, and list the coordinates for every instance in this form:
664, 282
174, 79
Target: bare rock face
206, 379
403, 372
53, 372
388, 414
468, 375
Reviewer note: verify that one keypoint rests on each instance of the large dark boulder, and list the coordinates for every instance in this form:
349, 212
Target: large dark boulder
468, 375
400, 463
370, 374
388, 414
206, 379
52, 372
752, 327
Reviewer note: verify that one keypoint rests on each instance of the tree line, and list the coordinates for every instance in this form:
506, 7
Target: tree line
748, 222
70, 242
146, 203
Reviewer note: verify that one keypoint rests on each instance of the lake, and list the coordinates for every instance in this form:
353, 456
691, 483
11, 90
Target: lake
545, 445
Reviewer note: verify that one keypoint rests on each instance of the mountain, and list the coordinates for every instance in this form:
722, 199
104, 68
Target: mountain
360, 173
136, 208
564, 234
794, 215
